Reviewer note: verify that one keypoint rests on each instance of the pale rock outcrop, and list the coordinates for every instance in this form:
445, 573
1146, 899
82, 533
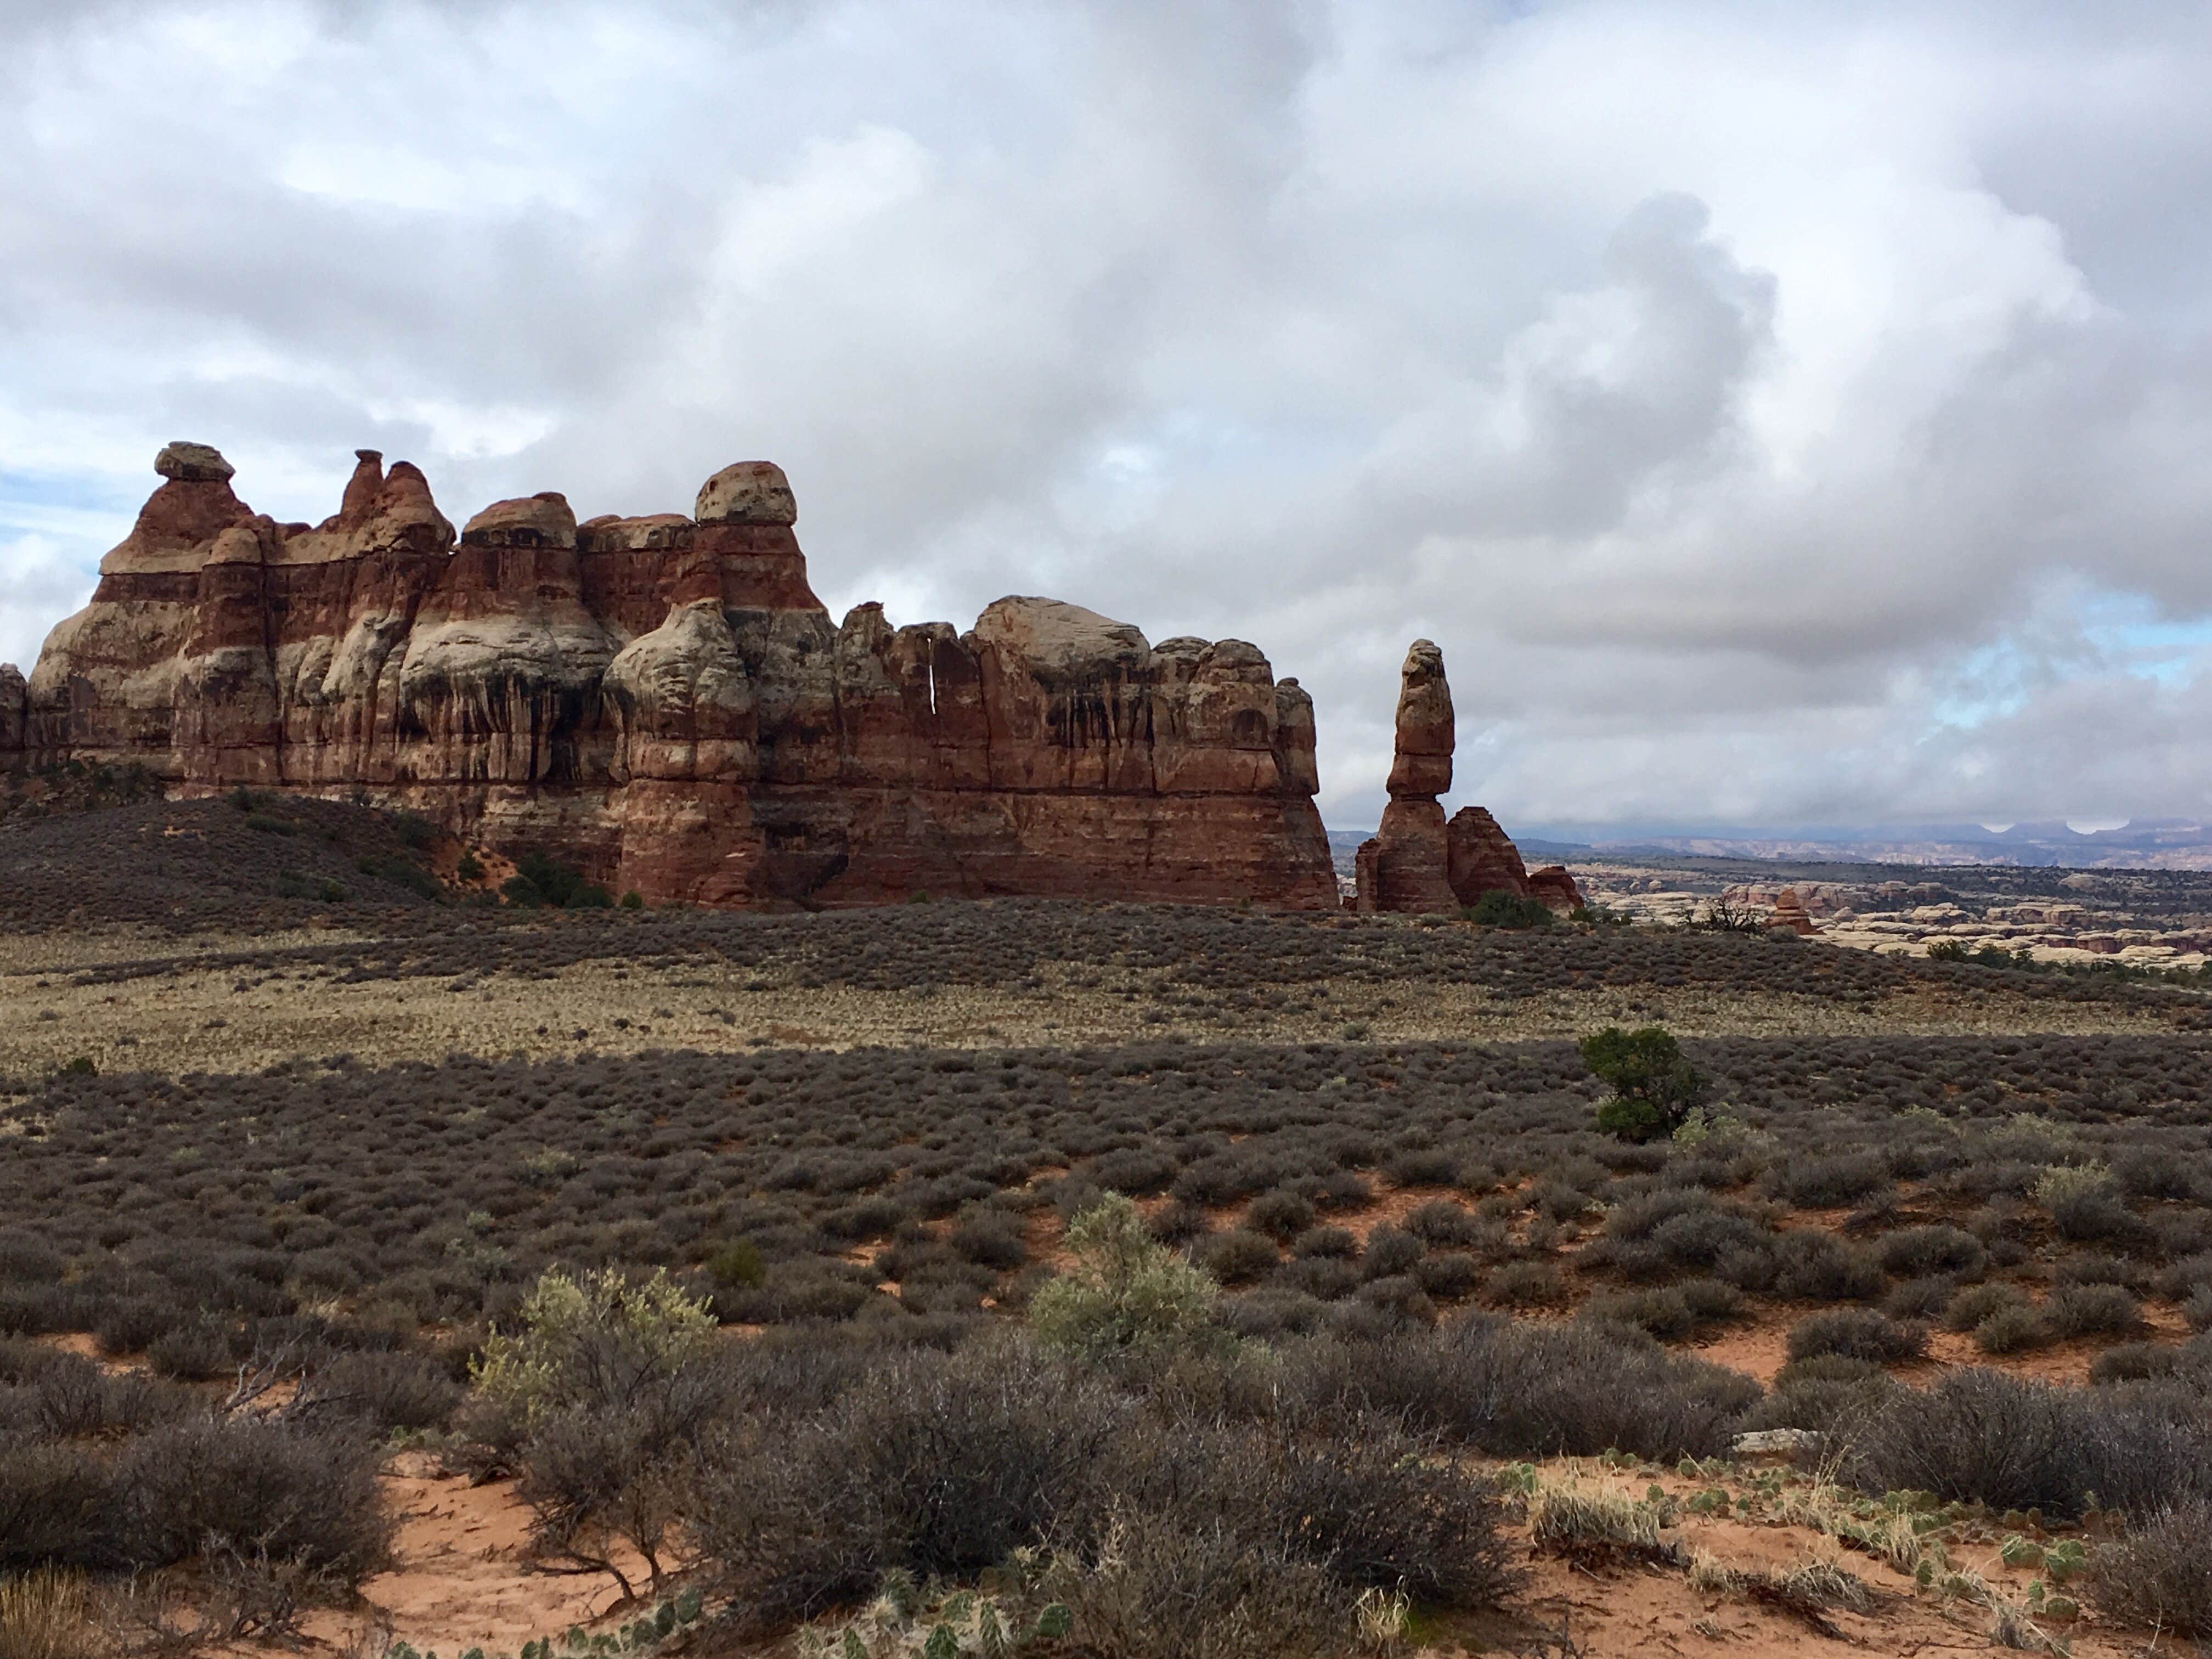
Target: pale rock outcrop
191, 463
1067, 692
1816, 898
750, 492
609, 534
504, 657
682, 706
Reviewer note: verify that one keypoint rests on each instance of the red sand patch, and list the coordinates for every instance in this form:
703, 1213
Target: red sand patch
463, 1577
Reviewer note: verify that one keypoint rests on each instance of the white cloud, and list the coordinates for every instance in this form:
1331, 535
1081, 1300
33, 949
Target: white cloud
1769, 411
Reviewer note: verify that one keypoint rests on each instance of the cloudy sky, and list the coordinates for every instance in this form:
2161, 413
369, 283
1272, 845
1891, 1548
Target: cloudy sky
1778, 414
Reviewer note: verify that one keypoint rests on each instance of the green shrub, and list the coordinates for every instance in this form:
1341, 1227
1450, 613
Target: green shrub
1654, 1089
293, 885
1662, 1313
403, 871
737, 1264
1124, 1293
1238, 1256
538, 879
1971, 1306
1856, 1333
2084, 1203
575, 1331
256, 1485
1500, 908
1280, 1214
2011, 1328
2091, 1310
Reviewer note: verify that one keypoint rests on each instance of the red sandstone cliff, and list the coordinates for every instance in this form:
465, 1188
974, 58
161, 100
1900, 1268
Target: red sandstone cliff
665, 701
1418, 862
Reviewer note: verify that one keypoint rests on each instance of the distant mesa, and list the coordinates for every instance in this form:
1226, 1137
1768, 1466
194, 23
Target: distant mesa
662, 701
1417, 862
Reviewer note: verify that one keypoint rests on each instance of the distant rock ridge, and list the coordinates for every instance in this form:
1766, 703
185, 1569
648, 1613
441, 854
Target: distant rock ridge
663, 702
1417, 862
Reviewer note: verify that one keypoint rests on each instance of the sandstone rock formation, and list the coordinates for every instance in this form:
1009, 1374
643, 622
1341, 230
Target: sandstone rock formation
1418, 862
663, 702
1553, 885
1818, 899
1412, 855
1789, 912
1482, 858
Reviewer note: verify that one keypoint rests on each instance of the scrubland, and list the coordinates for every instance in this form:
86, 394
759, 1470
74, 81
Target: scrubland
410, 1270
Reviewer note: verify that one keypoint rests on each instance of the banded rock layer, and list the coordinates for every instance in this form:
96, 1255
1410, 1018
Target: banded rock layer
664, 702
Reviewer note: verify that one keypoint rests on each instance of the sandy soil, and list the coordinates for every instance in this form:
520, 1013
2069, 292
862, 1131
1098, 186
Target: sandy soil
464, 1577
1633, 1609
464, 1574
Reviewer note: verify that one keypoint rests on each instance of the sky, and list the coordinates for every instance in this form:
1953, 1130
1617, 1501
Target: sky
1778, 414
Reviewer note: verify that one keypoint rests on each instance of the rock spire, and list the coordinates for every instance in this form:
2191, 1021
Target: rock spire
1416, 861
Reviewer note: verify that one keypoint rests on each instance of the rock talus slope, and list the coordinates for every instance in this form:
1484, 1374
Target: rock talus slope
664, 702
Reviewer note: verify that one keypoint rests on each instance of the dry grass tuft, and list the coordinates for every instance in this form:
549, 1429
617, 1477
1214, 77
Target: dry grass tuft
1583, 1518
47, 1614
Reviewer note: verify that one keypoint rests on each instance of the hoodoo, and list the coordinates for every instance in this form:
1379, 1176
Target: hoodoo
664, 703
1416, 861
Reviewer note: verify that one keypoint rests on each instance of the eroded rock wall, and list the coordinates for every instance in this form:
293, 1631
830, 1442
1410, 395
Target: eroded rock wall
664, 702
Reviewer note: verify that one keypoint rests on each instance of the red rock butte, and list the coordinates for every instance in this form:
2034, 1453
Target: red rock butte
664, 703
